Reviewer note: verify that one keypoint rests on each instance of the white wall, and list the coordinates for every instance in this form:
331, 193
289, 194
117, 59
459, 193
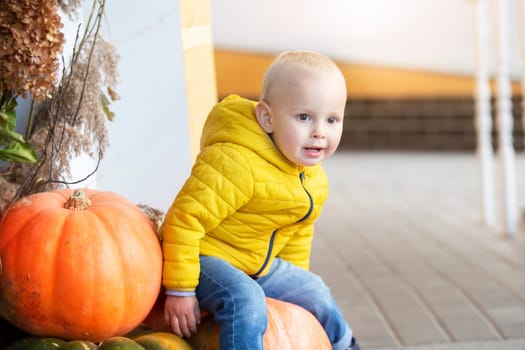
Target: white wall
431, 35
149, 155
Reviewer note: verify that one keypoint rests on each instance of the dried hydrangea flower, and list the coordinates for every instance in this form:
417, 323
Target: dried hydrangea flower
30, 44
72, 121
70, 7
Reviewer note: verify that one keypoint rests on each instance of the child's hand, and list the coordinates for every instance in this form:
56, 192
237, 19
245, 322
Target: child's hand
182, 314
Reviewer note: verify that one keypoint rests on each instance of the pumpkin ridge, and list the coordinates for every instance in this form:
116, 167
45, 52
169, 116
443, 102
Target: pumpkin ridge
70, 239
30, 277
124, 295
18, 218
59, 229
67, 262
106, 219
142, 241
98, 225
60, 316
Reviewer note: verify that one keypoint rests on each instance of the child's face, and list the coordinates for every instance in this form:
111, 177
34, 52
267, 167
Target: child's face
304, 114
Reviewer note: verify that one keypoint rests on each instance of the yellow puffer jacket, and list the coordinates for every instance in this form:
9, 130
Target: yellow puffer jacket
243, 202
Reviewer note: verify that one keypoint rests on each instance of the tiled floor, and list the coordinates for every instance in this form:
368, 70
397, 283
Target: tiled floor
402, 245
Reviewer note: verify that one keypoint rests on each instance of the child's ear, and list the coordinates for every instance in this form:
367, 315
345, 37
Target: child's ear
264, 116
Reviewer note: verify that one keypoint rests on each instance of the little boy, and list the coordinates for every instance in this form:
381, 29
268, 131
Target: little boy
241, 227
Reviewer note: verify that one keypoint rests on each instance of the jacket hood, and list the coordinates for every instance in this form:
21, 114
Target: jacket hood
233, 120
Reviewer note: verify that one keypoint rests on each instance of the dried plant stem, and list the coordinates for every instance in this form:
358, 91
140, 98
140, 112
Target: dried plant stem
30, 119
97, 26
72, 121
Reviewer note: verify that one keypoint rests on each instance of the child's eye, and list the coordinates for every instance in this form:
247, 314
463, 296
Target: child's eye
303, 117
332, 120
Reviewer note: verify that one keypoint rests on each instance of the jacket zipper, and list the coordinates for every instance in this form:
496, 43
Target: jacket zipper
274, 233
302, 176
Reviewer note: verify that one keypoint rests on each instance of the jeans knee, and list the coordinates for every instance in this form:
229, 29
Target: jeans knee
249, 302
320, 300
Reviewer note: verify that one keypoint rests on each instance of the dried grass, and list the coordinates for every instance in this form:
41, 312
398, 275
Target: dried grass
72, 117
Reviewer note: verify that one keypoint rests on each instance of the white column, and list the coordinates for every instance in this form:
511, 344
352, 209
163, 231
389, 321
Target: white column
521, 37
483, 121
506, 152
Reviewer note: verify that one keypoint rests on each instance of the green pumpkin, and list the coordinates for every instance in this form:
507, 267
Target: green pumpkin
79, 345
162, 341
137, 332
36, 343
120, 343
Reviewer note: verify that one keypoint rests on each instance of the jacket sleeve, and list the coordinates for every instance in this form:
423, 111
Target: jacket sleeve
221, 181
298, 249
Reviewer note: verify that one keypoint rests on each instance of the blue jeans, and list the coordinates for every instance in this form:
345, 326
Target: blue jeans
237, 301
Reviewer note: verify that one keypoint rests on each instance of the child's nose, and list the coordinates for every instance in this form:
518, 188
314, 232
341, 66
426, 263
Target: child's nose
318, 132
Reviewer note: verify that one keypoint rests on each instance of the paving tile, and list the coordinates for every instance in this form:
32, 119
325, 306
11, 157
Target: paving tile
402, 245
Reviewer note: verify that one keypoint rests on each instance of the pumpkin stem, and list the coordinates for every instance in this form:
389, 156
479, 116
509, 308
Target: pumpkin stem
77, 201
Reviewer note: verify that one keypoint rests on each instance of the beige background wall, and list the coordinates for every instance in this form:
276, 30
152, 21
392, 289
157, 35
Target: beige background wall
241, 72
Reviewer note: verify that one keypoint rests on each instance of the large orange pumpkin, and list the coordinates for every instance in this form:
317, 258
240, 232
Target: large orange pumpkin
290, 327
78, 267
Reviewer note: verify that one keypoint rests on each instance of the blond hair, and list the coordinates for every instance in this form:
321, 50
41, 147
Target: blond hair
301, 60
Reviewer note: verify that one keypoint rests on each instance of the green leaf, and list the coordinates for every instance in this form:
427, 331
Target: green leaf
7, 102
8, 136
18, 152
4, 119
11, 118
13, 146
8, 118
105, 107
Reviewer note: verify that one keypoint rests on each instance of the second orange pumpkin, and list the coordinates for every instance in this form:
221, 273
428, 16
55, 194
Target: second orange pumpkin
290, 327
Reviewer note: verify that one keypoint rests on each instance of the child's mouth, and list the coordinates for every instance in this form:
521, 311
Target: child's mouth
313, 151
